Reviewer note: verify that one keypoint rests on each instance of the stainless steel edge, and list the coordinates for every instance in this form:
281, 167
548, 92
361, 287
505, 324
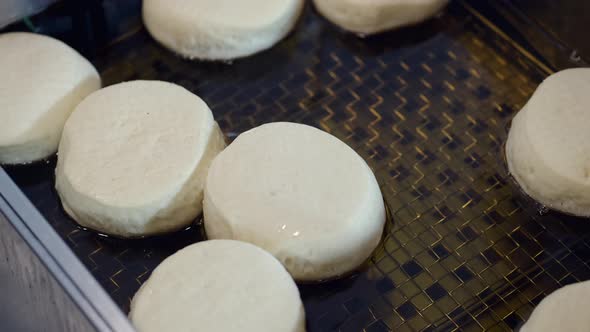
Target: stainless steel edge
56, 256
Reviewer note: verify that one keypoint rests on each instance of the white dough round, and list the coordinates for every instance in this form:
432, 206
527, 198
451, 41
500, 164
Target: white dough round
566, 309
42, 81
219, 285
134, 156
220, 29
299, 193
548, 147
373, 16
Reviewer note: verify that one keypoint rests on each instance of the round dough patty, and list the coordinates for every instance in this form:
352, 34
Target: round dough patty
566, 309
373, 16
219, 285
220, 29
301, 194
548, 147
134, 156
42, 81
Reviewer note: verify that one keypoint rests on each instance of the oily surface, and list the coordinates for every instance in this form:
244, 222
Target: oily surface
428, 109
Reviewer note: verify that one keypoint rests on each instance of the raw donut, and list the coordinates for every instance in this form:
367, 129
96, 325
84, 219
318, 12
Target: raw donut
548, 147
220, 29
299, 193
219, 285
42, 81
134, 156
373, 16
563, 310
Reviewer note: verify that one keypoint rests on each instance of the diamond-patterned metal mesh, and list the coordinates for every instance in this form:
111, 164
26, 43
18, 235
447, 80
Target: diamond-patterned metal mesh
428, 108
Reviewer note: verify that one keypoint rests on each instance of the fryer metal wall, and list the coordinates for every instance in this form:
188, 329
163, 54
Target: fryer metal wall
43, 286
32, 298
